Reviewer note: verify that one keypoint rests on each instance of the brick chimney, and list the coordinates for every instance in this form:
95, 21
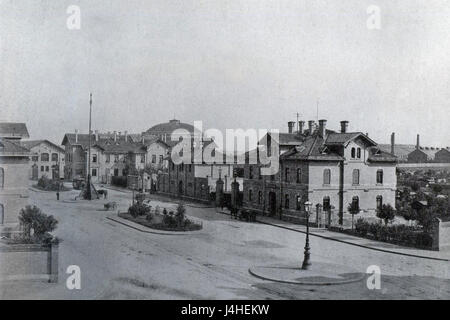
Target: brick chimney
418, 142
344, 126
322, 128
76, 135
301, 125
393, 142
96, 135
126, 135
115, 136
310, 126
291, 126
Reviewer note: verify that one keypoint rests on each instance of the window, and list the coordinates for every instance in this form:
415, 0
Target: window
380, 176
116, 158
259, 197
142, 158
35, 158
94, 172
44, 157
353, 153
42, 169
124, 172
116, 172
299, 175
108, 158
54, 157
190, 167
299, 203
286, 174
153, 158
379, 202
94, 158
355, 176
2, 178
326, 203
47, 168
326, 176
250, 195
286, 201
161, 157
358, 153
250, 173
355, 201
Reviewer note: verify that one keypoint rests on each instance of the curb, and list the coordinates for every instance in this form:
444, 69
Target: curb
165, 233
350, 243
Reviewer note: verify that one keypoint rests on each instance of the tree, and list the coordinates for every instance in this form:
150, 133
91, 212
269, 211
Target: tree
386, 213
33, 219
425, 217
353, 208
437, 188
406, 212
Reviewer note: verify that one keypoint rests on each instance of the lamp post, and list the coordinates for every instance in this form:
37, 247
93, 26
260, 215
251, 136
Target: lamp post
306, 263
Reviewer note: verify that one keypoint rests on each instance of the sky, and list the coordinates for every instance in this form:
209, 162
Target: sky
231, 64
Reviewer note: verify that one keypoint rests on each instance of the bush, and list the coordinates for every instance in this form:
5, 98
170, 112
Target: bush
47, 184
138, 209
180, 214
33, 219
170, 221
386, 213
119, 181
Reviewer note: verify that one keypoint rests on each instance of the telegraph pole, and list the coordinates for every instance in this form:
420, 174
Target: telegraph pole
88, 184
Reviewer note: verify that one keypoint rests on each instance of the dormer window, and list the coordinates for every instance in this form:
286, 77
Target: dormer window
358, 153
353, 155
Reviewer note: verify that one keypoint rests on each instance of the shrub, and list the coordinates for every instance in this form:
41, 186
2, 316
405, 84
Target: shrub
386, 213
47, 184
33, 219
362, 227
119, 181
170, 221
180, 214
138, 209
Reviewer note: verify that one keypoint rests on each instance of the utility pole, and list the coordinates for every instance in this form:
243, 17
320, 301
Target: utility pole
88, 184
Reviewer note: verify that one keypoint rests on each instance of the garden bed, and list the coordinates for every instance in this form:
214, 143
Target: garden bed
157, 222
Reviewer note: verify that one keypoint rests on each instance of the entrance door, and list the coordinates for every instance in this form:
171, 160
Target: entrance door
272, 203
34, 172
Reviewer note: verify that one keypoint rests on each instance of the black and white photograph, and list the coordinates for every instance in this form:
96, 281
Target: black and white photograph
224, 150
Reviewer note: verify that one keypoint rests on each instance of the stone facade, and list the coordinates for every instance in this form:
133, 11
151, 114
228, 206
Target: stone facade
47, 159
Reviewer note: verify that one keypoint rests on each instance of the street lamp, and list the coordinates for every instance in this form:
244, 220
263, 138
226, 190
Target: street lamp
306, 263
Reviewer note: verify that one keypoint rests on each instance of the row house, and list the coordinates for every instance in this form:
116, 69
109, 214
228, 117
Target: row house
47, 159
328, 168
14, 164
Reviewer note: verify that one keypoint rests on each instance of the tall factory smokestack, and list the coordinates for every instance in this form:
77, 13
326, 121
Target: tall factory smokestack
393, 143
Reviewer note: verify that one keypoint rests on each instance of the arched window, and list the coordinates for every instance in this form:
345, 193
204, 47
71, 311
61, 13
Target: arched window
326, 203
299, 175
2, 178
298, 203
380, 176
379, 202
286, 201
355, 201
259, 197
353, 153
54, 157
326, 176
44, 156
358, 153
250, 195
355, 176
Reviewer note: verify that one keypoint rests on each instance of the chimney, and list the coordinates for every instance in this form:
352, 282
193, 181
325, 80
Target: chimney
301, 125
393, 143
143, 140
418, 142
115, 136
76, 135
310, 126
322, 127
291, 126
96, 135
344, 126
126, 135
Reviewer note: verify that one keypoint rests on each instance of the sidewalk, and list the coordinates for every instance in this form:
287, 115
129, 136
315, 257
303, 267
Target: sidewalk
355, 241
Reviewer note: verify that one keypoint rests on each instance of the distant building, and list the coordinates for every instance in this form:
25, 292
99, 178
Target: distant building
327, 168
14, 165
442, 156
47, 159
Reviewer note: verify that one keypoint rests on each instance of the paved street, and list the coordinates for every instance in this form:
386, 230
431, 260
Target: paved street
118, 262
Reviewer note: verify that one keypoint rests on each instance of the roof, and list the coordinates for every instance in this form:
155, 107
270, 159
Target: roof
123, 146
338, 138
400, 150
33, 143
10, 148
428, 152
285, 139
313, 148
16, 130
169, 127
378, 155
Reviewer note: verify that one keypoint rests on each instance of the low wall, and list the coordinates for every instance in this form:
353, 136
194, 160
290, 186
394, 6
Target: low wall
29, 262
